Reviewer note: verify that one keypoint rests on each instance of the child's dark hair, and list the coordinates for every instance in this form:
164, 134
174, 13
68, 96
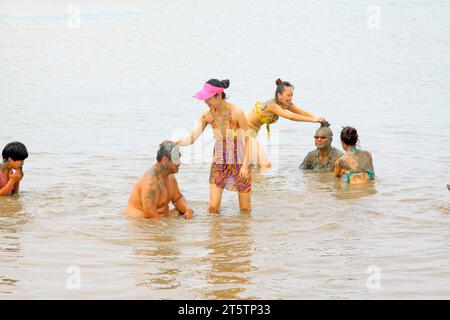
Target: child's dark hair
14, 150
220, 84
349, 136
165, 148
280, 87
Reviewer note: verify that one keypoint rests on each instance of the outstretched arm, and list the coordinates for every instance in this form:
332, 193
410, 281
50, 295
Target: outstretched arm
198, 130
275, 108
301, 112
149, 197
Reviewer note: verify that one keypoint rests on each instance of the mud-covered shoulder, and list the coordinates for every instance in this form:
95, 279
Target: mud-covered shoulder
365, 159
343, 161
308, 160
336, 152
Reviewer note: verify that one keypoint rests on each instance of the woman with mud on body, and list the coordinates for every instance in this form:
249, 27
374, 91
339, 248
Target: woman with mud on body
355, 164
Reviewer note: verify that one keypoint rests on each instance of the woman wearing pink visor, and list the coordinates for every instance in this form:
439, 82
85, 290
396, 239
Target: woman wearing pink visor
230, 166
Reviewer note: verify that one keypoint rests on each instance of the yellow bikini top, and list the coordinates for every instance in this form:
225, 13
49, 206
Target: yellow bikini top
268, 120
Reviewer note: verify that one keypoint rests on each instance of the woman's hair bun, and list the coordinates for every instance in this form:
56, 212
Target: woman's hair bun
226, 83
278, 82
349, 136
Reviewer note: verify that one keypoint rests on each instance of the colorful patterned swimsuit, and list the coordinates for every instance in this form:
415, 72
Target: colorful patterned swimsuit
229, 154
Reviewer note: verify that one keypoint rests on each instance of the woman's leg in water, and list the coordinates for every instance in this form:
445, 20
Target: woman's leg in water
215, 198
245, 201
263, 160
257, 155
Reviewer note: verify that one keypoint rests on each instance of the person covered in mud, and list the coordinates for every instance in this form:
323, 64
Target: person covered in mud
325, 156
158, 187
355, 164
11, 169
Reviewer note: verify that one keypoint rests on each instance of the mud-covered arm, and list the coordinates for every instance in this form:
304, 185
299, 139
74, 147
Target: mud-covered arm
306, 164
337, 168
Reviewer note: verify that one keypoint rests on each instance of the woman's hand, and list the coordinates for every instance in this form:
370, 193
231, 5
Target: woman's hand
323, 122
174, 142
244, 172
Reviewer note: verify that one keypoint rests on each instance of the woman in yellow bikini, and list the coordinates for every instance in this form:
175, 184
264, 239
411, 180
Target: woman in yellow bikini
269, 112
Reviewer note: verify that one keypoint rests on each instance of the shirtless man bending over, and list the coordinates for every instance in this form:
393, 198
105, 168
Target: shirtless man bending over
152, 193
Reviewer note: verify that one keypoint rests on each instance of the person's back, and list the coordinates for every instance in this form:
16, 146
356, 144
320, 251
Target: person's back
355, 164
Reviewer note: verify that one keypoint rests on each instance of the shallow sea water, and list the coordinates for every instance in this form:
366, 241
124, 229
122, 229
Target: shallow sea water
93, 103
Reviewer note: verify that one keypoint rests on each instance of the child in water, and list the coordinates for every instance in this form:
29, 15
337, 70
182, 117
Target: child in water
11, 169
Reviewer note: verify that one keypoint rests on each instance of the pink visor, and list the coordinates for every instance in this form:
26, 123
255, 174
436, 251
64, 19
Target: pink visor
207, 92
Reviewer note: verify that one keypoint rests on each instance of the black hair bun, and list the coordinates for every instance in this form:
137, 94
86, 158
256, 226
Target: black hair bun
349, 135
278, 81
226, 83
